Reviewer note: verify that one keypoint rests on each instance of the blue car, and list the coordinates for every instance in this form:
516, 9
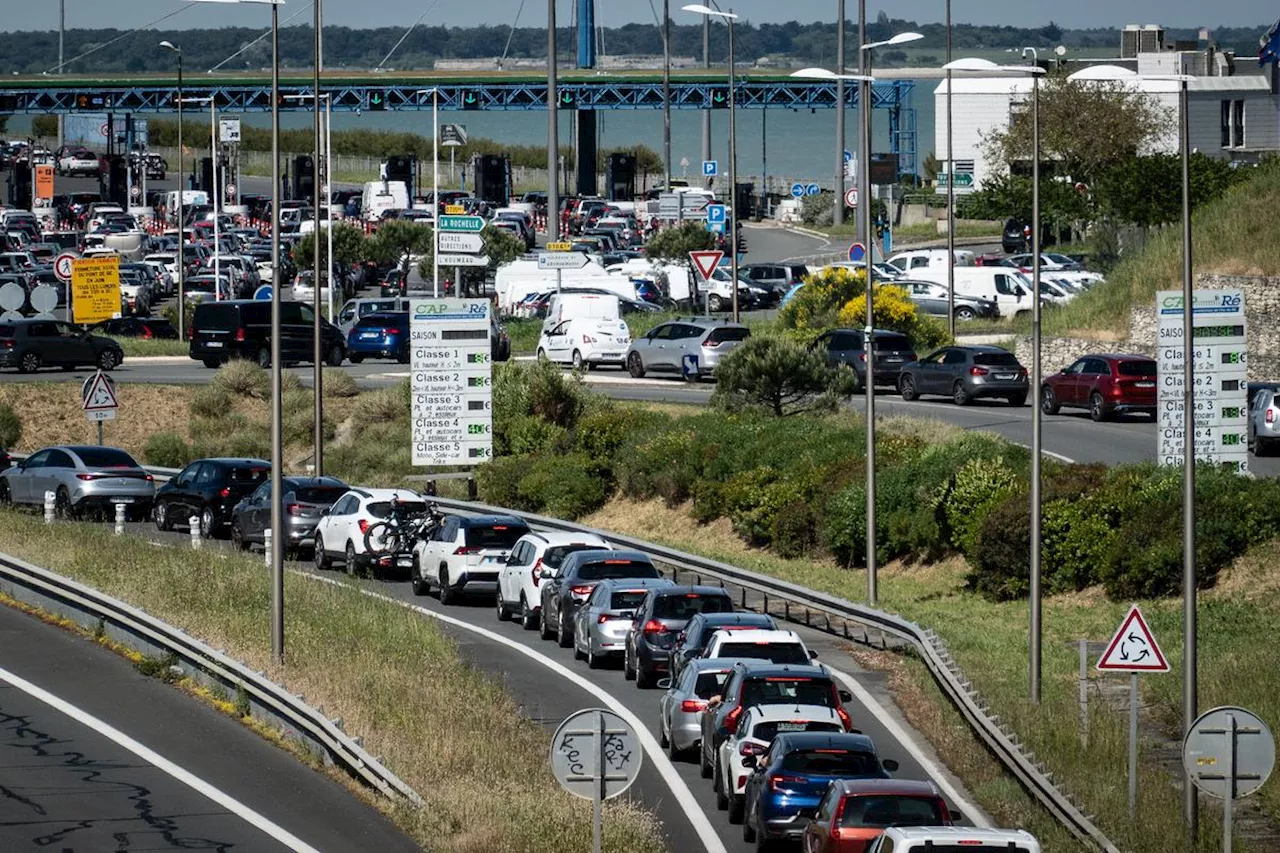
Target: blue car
788, 782
383, 335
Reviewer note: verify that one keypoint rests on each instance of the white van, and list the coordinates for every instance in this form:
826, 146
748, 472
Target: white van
514, 281
354, 309
1005, 286
190, 198
918, 839
571, 306
917, 260
381, 196
585, 342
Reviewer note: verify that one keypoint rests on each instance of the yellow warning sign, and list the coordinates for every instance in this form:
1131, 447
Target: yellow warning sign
95, 289
559, 247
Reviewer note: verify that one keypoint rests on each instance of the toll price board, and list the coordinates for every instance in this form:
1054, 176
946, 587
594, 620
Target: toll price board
451, 380
1219, 378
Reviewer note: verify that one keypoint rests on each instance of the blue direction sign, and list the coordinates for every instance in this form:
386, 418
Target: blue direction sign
716, 214
797, 190
263, 294
710, 168
857, 252
812, 189
848, 156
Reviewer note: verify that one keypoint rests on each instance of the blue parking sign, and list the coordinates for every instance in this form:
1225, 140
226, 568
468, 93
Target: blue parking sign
710, 168
797, 190
716, 214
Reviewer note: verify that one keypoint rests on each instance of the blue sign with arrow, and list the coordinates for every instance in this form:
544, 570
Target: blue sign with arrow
848, 156
812, 189
710, 168
797, 190
263, 294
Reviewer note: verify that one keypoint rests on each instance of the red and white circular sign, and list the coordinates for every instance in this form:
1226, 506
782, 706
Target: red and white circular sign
62, 266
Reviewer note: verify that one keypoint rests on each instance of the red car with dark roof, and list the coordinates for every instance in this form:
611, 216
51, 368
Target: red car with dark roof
855, 812
1106, 384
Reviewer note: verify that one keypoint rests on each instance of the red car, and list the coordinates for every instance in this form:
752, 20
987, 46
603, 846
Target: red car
855, 812
1106, 384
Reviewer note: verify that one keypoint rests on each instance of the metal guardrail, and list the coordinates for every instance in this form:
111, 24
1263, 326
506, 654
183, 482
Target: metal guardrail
799, 604
309, 726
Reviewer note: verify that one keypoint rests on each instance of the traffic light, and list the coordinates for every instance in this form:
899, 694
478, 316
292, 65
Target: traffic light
567, 98
377, 100
304, 171
719, 98
470, 99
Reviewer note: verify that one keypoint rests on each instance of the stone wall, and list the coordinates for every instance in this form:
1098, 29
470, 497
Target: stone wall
1057, 353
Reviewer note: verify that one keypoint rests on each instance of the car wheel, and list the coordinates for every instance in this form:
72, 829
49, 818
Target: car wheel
542, 354
1048, 401
212, 363
960, 395
544, 629
448, 595
736, 808
715, 303
907, 388
635, 366
528, 620
355, 358
563, 637
1018, 400
964, 314
704, 766
717, 786
1097, 409
319, 557
160, 514
628, 673
748, 831
578, 363
207, 527
503, 613
263, 358
62, 507
646, 679
107, 360
30, 362
349, 561
237, 536
663, 740
6, 497
416, 580
593, 662
335, 356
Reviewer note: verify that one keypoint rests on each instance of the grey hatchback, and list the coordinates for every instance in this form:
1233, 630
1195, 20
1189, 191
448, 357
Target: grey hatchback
966, 373
691, 347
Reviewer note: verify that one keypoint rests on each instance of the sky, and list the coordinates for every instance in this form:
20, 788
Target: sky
25, 15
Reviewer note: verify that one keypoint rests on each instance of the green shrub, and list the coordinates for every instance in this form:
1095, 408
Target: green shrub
781, 377
562, 486
655, 465
602, 430
338, 383
166, 450
816, 305
844, 525
498, 481
210, 401
381, 406
10, 427
968, 494
298, 424
528, 435
795, 530
241, 378
1001, 561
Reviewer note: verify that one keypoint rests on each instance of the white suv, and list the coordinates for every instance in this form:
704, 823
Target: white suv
465, 554
776, 646
753, 735
340, 532
534, 558
917, 839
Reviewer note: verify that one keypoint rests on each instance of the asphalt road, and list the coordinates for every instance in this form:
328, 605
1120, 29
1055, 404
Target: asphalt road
68, 786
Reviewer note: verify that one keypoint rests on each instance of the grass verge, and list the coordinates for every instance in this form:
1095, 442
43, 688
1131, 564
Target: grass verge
989, 640
452, 734
141, 347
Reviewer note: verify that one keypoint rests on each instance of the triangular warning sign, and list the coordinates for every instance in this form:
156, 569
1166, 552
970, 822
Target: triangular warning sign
100, 396
1133, 648
706, 262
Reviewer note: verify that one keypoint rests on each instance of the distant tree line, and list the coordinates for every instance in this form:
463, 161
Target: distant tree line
32, 52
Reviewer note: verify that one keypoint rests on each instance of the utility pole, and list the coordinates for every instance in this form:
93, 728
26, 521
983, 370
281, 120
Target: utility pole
553, 130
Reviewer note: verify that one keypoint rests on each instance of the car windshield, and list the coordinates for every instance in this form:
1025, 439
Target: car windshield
555, 555
709, 684
996, 359
382, 509
689, 604
1137, 368
626, 599
724, 335
892, 810
844, 763
776, 652
892, 342
786, 690
105, 457
606, 569
495, 536
319, 494
767, 730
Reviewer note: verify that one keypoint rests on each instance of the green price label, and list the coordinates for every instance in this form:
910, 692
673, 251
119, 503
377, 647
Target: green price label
1231, 438
1231, 411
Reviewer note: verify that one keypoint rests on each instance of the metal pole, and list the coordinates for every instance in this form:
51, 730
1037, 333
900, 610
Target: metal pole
1133, 744
764, 159
62, 31
733, 176
597, 802
182, 179
553, 129
435, 196
317, 355
277, 444
328, 187
951, 201
1034, 668
1189, 699
1228, 804
706, 114
1084, 693
213, 163
99, 433
837, 210
864, 193
666, 93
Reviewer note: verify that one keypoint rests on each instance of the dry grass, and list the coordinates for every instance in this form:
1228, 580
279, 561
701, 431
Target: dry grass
51, 414
450, 732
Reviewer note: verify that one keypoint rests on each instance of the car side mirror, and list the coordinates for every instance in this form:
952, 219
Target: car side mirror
890, 765
813, 655
956, 815
547, 574
664, 683
750, 761
845, 696
325, 511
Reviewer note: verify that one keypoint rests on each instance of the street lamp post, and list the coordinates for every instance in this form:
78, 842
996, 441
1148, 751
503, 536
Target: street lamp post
951, 199
435, 194
317, 345
837, 210
666, 91
553, 132
182, 272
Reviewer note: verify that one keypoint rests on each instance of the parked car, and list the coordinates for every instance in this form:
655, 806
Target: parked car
82, 479
855, 812
789, 781
966, 373
305, 501
221, 331
780, 276
935, 839
146, 328
563, 594
29, 344
1106, 384
465, 554
695, 636
658, 621
1014, 237
585, 342
208, 489
847, 347
536, 556
931, 298
601, 623
379, 336
681, 706
665, 347
1264, 417
340, 532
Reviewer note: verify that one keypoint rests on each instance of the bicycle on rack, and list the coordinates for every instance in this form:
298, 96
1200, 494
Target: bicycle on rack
397, 533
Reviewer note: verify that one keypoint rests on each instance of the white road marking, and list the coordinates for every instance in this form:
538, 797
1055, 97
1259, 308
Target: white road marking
160, 763
696, 816
968, 808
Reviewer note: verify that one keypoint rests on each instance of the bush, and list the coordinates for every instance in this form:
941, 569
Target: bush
381, 406
298, 423
891, 308
338, 383
210, 401
530, 436
968, 494
566, 487
498, 481
603, 429
818, 209
240, 378
816, 305
166, 450
10, 427
538, 389
780, 377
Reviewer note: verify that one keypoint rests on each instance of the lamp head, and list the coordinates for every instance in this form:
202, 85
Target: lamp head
170, 46
903, 38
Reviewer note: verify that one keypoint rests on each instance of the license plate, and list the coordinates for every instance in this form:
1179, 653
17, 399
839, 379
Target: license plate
214, 344
893, 360
1005, 375
1144, 385
368, 335
125, 500
791, 727
612, 355
404, 561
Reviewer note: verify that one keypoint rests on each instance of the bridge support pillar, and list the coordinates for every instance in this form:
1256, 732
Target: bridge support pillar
586, 153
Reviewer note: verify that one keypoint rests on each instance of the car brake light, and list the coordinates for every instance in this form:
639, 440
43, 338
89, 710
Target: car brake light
689, 706
463, 550
240, 334
293, 509
605, 617
1022, 373
581, 591
1271, 415
364, 525
8, 344
862, 356
226, 492
780, 783
710, 344
653, 626
390, 331
587, 339
150, 479
978, 371
731, 720
845, 719
146, 333
747, 748
536, 572
86, 476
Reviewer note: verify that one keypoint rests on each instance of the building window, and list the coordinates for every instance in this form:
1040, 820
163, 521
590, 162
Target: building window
1237, 124
1226, 124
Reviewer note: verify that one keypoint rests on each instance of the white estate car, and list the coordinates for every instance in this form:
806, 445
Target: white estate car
520, 579
465, 554
775, 646
340, 531
586, 341
755, 732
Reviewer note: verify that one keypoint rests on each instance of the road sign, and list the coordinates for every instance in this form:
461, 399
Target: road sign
706, 262
851, 197
453, 241
964, 180
716, 214
710, 168
562, 261
812, 189
135, 192
455, 209
95, 289
1133, 648
797, 190
263, 293
559, 247
229, 191
44, 298
1228, 752
595, 755
44, 182
848, 156
457, 260
857, 252
98, 396
467, 224
62, 266
12, 296
229, 130
682, 206
452, 135
451, 381
1220, 376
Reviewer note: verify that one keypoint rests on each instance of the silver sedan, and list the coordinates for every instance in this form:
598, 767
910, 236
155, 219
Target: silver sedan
680, 709
82, 478
600, 626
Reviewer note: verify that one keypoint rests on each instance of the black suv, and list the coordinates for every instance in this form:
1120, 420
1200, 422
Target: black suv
30, 344
571, 586
847, 347
208, 489
241, 328
662, 615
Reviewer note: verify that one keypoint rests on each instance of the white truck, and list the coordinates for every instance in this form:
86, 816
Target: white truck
381, 196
